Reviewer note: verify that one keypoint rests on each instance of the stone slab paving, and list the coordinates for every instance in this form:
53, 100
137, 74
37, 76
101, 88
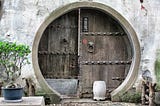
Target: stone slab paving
90, 102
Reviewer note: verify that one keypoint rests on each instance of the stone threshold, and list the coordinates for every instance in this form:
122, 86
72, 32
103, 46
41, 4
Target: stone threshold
91, 102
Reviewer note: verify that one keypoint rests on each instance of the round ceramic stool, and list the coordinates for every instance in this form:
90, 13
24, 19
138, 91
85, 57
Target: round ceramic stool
99, 90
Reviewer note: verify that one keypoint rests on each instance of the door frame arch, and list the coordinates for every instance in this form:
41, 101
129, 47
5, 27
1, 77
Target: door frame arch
133, 71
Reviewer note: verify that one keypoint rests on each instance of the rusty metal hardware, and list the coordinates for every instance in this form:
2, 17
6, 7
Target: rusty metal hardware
103, 33
72, 66
90, 47
56, 53
63, 26
118, 78
105, 62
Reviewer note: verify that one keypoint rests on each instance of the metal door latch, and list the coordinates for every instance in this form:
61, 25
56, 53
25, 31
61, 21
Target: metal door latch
90, 47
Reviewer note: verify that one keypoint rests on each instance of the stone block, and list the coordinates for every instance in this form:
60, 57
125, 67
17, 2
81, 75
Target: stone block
26, 101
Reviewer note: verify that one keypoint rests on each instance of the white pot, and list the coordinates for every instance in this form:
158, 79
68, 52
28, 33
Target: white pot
99, 90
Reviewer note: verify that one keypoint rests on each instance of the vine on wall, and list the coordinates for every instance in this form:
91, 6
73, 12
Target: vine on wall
143, 7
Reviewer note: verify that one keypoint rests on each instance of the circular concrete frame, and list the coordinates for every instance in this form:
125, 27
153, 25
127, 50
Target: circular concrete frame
133, 72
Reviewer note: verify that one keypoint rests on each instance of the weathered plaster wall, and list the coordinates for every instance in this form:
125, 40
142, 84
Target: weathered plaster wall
21, 19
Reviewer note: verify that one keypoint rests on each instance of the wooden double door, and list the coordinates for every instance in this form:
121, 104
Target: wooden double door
87, 45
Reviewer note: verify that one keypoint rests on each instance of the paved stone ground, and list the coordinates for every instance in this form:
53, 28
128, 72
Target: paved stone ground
89, 102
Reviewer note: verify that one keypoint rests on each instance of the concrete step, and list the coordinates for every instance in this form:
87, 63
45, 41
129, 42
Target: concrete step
90, 102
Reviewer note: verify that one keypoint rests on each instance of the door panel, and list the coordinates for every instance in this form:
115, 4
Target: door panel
104, 55
58, 48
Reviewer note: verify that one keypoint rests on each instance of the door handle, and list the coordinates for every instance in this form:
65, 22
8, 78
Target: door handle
91, 47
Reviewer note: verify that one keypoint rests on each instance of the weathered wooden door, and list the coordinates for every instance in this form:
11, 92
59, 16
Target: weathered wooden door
58, 48
87, 45
105, 53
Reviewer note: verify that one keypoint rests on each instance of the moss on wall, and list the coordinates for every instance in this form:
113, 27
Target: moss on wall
49, 98
130, 96
157, 70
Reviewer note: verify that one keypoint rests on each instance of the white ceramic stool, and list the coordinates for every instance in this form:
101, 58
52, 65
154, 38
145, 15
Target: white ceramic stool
99, 90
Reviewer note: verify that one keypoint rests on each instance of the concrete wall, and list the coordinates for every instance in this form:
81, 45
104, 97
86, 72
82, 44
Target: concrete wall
20, 20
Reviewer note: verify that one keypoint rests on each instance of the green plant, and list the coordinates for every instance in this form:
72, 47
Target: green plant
157, 71
133, 97
12, 57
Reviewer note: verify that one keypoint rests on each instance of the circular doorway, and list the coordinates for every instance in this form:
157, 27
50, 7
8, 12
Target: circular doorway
86, 37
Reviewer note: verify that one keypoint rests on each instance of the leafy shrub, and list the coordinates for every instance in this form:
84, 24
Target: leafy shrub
12, 57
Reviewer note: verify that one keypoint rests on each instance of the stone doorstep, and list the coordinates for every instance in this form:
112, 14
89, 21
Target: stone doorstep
90, 102
26, 101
